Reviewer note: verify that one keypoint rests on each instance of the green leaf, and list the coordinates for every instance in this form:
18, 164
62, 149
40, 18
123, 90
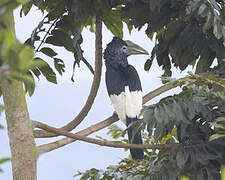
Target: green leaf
23, 1
59, 65
222, 172
47, 71
26, 55
3, 160
36, 72
184, 178
129, 24
48, 51
148, 65
30, 86
27, 79
113, 22
13, 59
26, 8
60, 38
216, 136
205, 61
9, 4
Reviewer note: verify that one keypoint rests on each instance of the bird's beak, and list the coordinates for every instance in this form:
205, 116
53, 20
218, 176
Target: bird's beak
133, 49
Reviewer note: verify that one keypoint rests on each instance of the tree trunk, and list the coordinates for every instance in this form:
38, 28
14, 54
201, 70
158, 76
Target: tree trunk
19, 125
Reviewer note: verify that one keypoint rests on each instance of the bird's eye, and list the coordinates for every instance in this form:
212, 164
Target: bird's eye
124, 48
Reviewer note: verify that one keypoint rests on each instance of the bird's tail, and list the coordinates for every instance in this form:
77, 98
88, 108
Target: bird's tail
136, 154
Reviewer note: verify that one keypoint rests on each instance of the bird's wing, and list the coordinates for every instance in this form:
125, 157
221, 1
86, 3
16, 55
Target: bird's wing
133, 93
125, 92
115, 84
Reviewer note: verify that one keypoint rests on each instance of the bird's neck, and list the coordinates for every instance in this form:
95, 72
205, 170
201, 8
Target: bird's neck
114, 59
117, 63
116, 66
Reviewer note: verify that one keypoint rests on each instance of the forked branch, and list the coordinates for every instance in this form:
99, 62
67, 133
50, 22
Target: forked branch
94, 88
94, 128
114, 118
100, 142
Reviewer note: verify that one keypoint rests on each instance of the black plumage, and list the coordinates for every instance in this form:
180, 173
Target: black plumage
124, 86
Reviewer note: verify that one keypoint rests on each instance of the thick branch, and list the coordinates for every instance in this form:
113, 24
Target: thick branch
94, 88
100, 142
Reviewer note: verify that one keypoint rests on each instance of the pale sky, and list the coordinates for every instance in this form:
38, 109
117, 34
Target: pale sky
58, 104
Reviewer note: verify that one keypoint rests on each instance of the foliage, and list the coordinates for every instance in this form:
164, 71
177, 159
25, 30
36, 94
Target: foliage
219, 127
193, 112
181, 109
18, 58
185, 31
194, 121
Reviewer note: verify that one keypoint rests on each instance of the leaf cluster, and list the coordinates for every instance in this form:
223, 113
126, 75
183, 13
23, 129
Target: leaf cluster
195, 113
17, 60
193, 121
67, 20
185, 31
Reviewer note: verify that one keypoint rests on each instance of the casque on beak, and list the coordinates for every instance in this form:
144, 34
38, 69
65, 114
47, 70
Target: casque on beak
133, 49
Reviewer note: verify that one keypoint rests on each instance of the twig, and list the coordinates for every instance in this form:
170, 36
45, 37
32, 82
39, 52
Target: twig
94, 88
47, 33
100, 142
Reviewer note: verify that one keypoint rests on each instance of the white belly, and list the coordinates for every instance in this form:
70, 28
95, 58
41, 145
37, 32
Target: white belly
127, 104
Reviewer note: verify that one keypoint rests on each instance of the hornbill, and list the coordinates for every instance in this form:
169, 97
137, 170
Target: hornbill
124, 86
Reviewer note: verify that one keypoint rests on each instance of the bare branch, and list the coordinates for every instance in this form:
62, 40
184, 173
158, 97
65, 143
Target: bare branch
163, 89
100, 142
94, 88
94, 128
172, 85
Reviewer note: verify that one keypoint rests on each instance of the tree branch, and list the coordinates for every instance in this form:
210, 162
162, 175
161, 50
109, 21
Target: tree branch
94, 88
94, 128
62, 142
100, 142
172, 85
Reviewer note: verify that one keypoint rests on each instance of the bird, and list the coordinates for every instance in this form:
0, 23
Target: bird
124, 87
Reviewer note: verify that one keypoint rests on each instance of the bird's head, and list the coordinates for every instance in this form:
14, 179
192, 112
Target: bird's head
118, 50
